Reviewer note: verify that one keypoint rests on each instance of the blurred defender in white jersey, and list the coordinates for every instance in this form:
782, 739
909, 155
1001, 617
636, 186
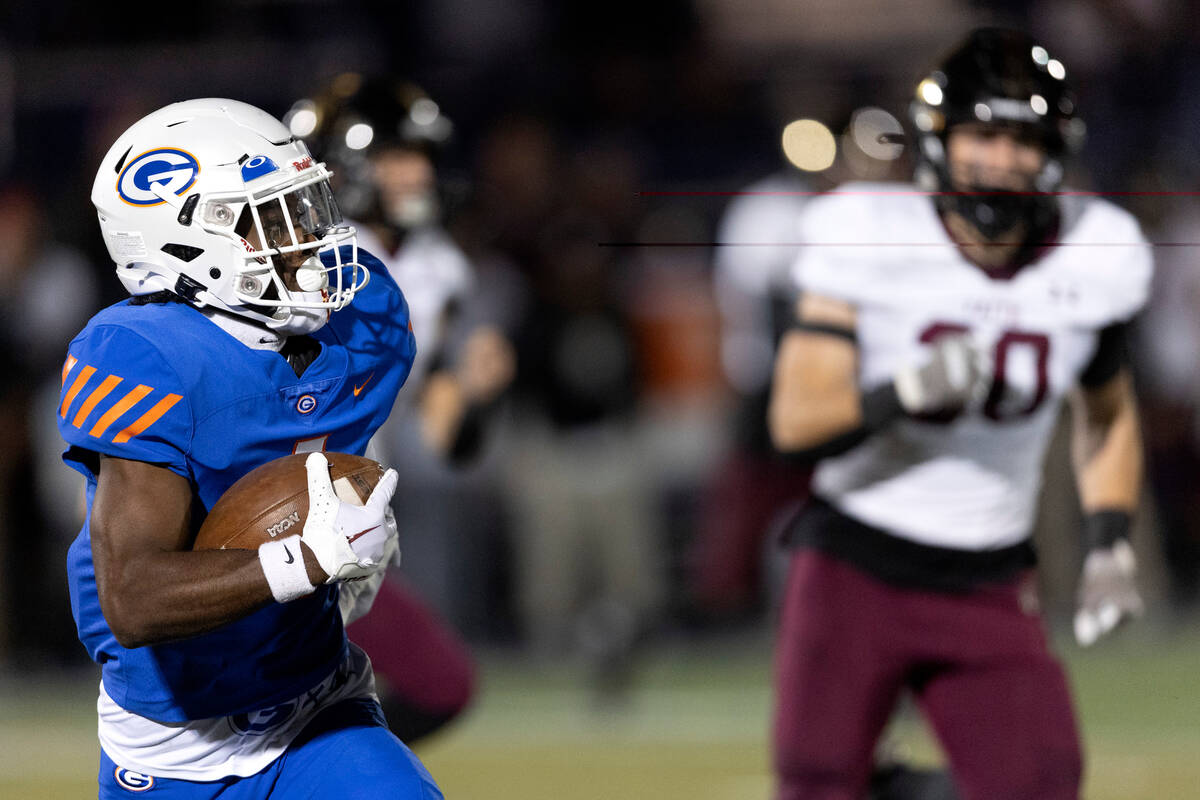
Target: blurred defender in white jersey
937, 332
381, 136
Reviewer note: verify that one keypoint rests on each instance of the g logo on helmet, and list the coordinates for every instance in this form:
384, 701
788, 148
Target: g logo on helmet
133, 781
169, 168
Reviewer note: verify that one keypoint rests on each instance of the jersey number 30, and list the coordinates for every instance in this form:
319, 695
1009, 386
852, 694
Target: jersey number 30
994, 407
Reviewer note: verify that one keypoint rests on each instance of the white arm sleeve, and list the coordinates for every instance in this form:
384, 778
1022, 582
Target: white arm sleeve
355, 598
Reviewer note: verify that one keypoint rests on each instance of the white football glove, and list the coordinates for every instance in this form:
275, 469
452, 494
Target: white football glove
348, 541
1107, 592
950, 380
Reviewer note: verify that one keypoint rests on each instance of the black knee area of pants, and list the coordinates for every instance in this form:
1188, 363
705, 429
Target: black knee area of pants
899, 782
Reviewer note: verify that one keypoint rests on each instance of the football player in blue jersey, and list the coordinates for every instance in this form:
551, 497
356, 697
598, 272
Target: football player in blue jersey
383, 138
256, 329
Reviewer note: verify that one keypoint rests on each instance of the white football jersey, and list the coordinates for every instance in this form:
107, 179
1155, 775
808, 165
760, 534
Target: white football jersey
971, 483
433, 273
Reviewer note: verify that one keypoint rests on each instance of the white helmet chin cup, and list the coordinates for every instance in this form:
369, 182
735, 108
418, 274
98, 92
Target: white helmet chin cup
311, 275
297, 321
180, 193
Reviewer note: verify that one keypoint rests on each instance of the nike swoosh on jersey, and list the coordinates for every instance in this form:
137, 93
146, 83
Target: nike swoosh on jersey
358, 388
350, 540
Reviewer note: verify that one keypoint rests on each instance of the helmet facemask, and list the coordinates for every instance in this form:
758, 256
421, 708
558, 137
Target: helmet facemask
281, 230
1001, 202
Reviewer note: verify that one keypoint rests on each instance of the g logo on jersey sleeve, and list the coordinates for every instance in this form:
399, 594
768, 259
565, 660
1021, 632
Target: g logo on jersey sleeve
169, 168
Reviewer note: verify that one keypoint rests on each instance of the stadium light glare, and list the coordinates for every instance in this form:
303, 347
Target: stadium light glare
809, 145
302, 122
359, 135
930, 92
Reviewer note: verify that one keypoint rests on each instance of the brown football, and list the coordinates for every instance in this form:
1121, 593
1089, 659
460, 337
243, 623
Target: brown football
272, 500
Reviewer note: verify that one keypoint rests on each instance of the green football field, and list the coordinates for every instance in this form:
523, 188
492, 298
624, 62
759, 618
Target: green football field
692, 728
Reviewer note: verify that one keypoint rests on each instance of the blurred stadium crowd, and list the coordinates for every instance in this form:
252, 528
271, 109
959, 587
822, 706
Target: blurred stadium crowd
593, 181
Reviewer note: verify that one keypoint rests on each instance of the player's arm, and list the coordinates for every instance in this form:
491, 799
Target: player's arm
817, 408
153, 588
457, 402
1106, 446
1106, 449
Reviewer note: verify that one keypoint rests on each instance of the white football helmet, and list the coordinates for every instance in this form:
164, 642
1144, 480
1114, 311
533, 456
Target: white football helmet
180, 193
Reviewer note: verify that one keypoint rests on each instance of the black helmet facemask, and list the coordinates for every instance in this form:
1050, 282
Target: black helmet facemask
1002, 77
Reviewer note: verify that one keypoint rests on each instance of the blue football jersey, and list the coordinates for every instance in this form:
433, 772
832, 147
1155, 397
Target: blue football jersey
161, 383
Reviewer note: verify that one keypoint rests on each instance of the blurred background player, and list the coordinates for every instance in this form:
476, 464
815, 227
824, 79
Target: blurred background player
53, 292
253, 316
733, 563
381, 137
754, 292
925, 372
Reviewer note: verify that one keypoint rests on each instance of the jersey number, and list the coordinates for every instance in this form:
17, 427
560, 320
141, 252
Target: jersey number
994, 407
313, 445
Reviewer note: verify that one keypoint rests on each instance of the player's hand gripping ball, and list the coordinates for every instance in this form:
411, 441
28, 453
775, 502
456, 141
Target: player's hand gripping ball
350, 541
272, 501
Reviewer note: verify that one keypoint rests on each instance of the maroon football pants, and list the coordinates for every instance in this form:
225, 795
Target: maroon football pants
427, 671
977, 663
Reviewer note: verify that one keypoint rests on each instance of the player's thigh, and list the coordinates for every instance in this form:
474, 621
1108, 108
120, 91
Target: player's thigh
1006, 720
836, 679
347, 754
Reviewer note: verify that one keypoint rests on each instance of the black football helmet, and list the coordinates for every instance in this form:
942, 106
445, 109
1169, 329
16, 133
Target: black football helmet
354, 116
1003, 77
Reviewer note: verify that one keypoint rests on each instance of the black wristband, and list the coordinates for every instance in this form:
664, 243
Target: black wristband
825, 329
880, 406
1103, 529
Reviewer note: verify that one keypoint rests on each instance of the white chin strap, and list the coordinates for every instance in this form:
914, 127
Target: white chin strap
312, 277
298, 321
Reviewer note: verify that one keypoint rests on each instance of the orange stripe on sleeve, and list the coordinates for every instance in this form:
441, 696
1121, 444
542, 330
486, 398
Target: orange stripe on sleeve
94, 398
68, 365
149, 418
120, 407
75, 389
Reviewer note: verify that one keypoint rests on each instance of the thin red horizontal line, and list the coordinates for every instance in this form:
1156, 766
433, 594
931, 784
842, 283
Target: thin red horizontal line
918, 192
894, 244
